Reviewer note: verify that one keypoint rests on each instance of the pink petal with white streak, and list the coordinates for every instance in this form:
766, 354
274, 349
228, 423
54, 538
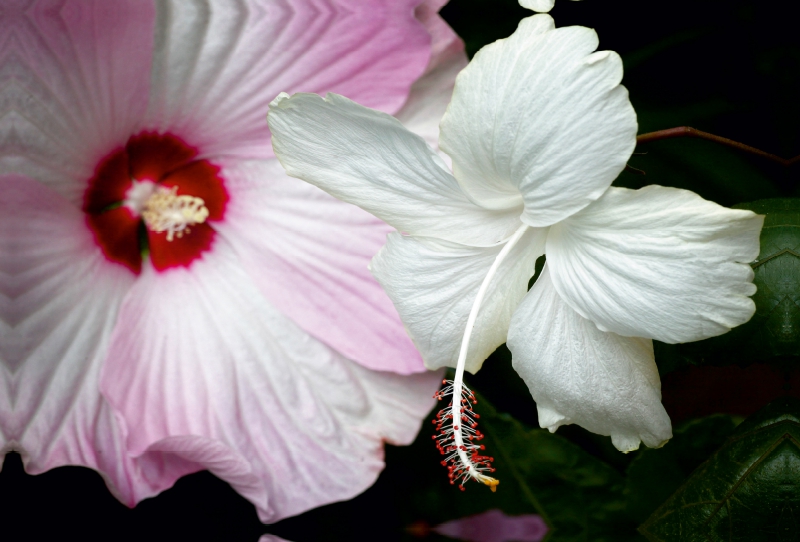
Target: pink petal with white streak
202, 366
83, 73
432, 92
308, 254
63, 300
222, 62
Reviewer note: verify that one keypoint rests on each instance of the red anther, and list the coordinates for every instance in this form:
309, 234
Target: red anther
482, 447
444, 381
461, 488
455, 427
477, 415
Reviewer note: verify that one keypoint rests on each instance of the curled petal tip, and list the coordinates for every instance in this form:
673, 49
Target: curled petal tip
278, 99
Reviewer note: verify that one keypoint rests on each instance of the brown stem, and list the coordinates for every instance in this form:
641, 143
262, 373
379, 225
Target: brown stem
686, 131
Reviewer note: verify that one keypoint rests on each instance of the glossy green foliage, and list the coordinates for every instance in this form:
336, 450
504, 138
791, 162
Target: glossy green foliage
774, 331
748, 491
655, 474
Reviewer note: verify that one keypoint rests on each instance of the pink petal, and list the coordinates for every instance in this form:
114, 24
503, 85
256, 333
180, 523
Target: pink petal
308, 254
221, 63
84, 70
495, 526
202, 367
62, 300
431, 94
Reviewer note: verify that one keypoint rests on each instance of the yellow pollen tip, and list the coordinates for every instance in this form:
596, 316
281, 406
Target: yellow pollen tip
492, 483
166, 211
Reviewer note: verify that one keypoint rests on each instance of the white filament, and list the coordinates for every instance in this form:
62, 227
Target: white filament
458, 380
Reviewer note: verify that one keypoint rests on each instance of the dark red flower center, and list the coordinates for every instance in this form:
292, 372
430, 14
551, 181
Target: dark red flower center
152, 197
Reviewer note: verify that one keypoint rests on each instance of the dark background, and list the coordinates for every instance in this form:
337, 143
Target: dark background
727, 67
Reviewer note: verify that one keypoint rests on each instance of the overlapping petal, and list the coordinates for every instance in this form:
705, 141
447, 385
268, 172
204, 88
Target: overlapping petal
234, 386
541, 118
659, 262
576, 373
63, 300
389, 171
434, 283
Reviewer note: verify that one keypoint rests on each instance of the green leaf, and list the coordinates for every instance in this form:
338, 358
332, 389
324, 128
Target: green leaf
748, 491
774, 330
655, 474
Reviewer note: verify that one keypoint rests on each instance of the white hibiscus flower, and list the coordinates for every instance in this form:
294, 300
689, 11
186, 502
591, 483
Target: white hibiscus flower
537, 129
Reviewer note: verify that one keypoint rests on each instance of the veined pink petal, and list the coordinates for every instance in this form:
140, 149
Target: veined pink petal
430, 94
495, 526
84, 68
63, 299
229, 60
308, 253
201, 366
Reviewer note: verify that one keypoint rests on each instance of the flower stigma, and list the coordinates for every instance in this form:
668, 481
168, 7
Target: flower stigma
456, 424
166, 211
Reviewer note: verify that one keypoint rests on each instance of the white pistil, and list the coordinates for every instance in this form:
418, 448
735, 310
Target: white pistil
166, 211
463, 466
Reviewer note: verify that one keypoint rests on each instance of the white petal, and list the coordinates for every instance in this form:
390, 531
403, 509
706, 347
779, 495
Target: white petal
578, 374
661, 263
369, 159
539, 117
542, 6
434, 284
201, 366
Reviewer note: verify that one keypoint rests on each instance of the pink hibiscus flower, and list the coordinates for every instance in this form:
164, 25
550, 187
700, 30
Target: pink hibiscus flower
170, 300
